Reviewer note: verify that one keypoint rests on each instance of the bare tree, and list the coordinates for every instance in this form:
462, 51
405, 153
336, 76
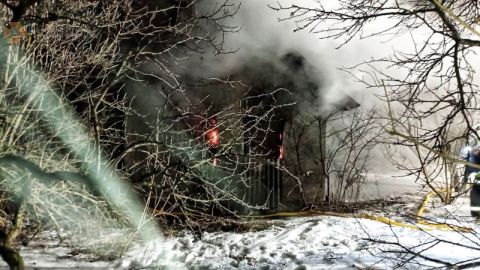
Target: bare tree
344, 141
433, 79
430, 86
349, 143
88, 51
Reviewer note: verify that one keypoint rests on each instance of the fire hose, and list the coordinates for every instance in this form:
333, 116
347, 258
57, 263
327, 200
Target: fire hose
420, 224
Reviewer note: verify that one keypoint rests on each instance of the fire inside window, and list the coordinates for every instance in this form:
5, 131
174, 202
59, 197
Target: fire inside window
213, 138
281, 150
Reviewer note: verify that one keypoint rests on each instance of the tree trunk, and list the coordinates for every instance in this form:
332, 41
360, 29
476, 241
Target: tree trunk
12, 258
10, 255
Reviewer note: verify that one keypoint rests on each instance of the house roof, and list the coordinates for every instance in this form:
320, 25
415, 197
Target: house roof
346, 103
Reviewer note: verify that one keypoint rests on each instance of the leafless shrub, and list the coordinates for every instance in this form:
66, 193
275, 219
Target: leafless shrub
431, 83
88, 51
341, 162
430, 91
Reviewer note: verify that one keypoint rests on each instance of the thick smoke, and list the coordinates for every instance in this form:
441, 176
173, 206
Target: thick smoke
262, 47
263, 36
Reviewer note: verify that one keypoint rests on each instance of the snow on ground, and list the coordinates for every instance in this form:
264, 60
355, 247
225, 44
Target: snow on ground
46, 252
313, 242
320, 242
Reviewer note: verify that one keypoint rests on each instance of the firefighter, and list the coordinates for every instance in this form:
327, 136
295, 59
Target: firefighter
472, 175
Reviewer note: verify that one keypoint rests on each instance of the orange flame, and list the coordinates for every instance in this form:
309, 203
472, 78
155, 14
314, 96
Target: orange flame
281, 154
213, 137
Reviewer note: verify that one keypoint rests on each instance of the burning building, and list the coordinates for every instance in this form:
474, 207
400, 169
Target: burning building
242, 127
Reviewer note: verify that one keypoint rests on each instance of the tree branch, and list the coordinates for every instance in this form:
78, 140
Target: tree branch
42, 175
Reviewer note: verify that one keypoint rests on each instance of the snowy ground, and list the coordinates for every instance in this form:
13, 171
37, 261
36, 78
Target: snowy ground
314, 242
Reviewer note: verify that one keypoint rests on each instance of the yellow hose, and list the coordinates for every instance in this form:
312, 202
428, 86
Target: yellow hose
390, 221
421, 223
421, 220
296, 214
423, 205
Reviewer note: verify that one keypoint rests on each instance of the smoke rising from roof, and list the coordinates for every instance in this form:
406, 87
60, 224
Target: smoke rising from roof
263, 36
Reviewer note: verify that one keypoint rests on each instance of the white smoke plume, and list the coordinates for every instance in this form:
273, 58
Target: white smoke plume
263, 31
